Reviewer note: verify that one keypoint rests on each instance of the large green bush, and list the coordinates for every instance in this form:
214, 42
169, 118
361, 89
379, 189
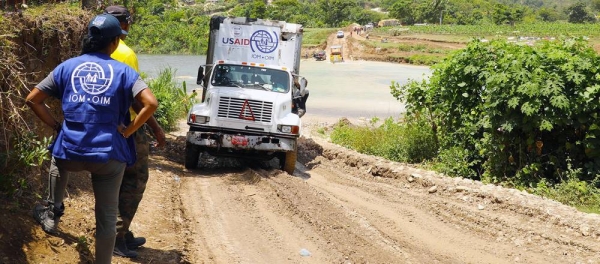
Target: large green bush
521, 113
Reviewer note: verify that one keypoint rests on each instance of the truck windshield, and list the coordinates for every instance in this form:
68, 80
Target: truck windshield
250, 77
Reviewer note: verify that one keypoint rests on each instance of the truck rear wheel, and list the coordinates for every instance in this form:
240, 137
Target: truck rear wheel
289, 162
192, 153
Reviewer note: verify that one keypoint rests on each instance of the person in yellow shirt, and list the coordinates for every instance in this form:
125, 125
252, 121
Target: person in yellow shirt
136, 176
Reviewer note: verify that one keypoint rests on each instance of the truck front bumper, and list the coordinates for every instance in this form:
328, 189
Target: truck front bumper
268, 143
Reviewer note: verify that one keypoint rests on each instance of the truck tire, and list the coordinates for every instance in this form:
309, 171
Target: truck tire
192, 153
289, 162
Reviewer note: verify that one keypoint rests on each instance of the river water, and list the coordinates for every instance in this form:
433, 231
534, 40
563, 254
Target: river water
357, 90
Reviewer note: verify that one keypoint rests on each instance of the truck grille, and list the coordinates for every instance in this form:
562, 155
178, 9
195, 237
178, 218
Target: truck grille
251, 110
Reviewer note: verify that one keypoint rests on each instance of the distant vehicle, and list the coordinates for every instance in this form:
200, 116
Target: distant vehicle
340, 34
320, 55
336, 54
388, 23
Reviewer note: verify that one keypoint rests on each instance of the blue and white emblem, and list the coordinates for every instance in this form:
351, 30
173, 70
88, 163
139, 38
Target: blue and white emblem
91, 78
263, 41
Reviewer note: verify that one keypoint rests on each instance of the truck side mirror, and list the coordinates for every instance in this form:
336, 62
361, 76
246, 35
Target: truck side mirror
303, 83
200, 75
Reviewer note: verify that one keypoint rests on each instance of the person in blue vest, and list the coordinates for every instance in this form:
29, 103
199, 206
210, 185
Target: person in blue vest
96, 93
136, 176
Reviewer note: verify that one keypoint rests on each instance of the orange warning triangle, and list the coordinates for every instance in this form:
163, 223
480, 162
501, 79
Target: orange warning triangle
246, 112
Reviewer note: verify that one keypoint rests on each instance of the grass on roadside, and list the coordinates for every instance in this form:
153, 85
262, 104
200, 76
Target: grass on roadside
398, 141
173, 99
316, 36
413, 142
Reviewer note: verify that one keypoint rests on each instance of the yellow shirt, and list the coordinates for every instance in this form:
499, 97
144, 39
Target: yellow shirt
125, 54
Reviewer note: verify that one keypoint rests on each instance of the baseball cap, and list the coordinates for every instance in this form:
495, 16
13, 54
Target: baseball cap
120, 12
105, 27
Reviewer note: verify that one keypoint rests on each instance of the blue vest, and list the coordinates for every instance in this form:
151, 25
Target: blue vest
96, 93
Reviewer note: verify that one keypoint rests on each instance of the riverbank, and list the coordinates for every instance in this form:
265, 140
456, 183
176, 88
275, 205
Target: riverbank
380, 46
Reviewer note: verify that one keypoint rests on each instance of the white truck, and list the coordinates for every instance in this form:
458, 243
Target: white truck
249, 85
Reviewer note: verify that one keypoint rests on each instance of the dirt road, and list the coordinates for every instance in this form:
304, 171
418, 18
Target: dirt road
339, 206
343, 207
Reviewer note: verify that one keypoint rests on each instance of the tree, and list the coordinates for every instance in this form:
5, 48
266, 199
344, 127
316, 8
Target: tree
405, 11
410, 12
364, 16
466, 12
578, 13
505, 14
258, 9
548, 14
336, 12
283, 9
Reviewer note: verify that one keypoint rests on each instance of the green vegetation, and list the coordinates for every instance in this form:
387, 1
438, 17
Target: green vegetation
399, 141
181, 27
538, 29
419, 54
174, 101
169, 27
516, 115
177, 27
162, 27
316, 36
423, 59
83, 245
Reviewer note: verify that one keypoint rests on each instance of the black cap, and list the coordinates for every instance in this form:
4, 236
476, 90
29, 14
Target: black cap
120, 12
105, 27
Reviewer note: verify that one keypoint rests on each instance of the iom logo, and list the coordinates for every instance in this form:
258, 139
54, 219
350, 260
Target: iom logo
263, 41
91, 78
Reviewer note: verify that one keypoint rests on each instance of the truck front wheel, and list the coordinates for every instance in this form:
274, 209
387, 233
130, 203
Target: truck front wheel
192, 153
289, 162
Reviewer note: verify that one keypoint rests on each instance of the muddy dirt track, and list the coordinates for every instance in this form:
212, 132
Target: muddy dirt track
340, 206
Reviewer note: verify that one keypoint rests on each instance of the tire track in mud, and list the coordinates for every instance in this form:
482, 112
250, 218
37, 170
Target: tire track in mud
498, 224
405, 219
238, 221
345, 207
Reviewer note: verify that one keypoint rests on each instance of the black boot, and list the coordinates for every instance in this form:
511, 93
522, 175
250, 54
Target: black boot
122, 250
133, 242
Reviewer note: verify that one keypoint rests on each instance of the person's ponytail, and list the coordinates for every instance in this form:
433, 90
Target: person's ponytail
91, 44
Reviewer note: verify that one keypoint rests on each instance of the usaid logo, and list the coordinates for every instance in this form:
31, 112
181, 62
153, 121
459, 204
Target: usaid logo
263, 41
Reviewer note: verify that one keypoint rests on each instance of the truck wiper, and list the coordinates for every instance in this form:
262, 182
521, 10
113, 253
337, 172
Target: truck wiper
235, 84
261, 85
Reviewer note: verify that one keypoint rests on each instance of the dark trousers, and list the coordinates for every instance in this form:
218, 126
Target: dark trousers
134, 183
106, 179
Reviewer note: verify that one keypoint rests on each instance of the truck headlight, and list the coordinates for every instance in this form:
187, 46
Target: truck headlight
199, 119
289, 129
